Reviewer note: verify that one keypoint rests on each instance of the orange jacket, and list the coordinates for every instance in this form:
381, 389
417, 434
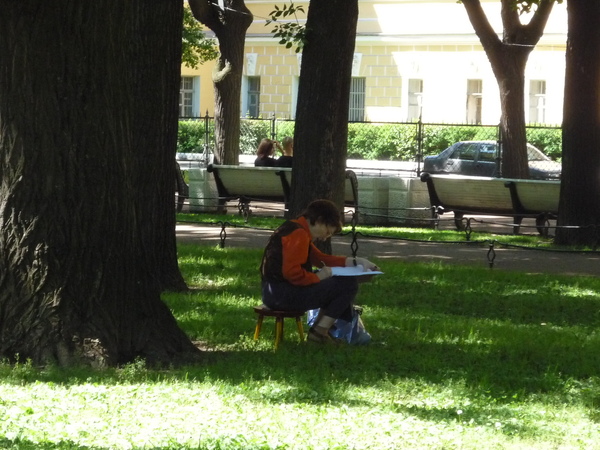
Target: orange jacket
297, 255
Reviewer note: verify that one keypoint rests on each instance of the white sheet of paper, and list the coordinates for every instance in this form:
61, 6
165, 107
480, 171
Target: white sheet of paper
355, 271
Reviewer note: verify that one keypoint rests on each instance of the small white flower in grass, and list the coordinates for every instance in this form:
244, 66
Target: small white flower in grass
459, 411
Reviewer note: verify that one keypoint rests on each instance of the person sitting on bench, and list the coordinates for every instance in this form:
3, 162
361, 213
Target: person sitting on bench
265, 152
287, 150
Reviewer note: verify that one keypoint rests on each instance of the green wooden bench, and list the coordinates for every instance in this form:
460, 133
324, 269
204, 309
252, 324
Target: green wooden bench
472, 195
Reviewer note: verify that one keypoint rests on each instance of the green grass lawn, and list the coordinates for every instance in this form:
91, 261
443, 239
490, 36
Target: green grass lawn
461, 358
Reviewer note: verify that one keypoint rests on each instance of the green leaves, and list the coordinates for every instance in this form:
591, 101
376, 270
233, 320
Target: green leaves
196, 47
289, 33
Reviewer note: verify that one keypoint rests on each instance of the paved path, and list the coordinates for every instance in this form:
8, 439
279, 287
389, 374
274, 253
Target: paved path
522, 260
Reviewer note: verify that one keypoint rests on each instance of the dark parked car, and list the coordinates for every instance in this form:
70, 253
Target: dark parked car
479, 158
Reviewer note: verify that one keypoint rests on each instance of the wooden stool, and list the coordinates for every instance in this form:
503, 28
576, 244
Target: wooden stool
263, 311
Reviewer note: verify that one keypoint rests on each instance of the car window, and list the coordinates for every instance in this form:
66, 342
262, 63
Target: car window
533, 154
465, 152
487, 152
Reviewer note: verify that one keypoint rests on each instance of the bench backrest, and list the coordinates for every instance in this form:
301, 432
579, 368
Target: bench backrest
266, 183
467, 193
533, 196
258, 182
493, 195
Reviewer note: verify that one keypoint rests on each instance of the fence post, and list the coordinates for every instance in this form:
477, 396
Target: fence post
206, 139
419, 145
499, 152
273, 130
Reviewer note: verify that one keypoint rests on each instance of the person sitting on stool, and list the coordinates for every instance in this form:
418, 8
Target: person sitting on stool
288, 281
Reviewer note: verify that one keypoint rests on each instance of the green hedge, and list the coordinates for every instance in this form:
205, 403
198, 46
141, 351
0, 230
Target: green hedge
252, 131
548, 140
374, 141
190, 136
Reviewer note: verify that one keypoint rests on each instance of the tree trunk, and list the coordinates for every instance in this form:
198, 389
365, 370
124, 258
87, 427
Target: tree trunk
229, 25
580, 184
508, 58
510, 74
321, 133
158, 48
75, 281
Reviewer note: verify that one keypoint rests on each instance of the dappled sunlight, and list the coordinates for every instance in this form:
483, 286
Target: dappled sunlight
461, 356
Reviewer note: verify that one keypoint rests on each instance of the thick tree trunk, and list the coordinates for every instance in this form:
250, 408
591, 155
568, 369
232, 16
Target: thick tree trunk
580, 185
227, 80
321, 133
510, 74
158, 50
75, 284
229, 25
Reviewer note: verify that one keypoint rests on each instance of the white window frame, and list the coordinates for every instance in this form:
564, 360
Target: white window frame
356, 109
537, 101
247, 97
474, 100
189, 97
415, 99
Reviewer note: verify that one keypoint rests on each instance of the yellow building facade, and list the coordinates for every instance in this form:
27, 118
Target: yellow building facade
411, 59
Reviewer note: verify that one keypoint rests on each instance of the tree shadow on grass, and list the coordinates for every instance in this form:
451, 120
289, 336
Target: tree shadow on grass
500, 334
497, 330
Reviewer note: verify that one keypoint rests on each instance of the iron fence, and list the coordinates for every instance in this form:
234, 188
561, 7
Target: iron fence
381, 141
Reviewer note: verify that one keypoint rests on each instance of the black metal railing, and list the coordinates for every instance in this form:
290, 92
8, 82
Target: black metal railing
383, 141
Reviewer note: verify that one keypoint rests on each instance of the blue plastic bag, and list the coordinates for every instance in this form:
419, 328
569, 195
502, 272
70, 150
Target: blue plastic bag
352, 332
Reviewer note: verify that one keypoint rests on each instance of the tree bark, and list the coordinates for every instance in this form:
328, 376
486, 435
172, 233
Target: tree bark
508, 58
321, 132
580, 184
511, 83
75, 281
158, 52
229, 25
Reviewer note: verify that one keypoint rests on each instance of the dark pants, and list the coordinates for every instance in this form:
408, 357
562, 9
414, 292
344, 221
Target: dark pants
334, 296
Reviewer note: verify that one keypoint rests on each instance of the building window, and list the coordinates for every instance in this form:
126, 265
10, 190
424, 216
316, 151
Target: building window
537, 101
186, 97
474, 88
415, 98
295, 84
356, 112
251, 102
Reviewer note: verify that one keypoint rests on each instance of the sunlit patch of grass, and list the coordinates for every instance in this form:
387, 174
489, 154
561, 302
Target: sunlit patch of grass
462, 357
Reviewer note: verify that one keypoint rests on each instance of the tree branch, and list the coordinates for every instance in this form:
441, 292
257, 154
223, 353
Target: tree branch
511, 23
535, 28
234, 14
488, 37
207, 12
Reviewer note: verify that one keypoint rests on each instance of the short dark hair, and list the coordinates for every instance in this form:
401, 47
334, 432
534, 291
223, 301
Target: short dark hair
324, 211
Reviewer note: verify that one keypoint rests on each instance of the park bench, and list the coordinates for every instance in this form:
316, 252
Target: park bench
471, 195
264, 184
538, 198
